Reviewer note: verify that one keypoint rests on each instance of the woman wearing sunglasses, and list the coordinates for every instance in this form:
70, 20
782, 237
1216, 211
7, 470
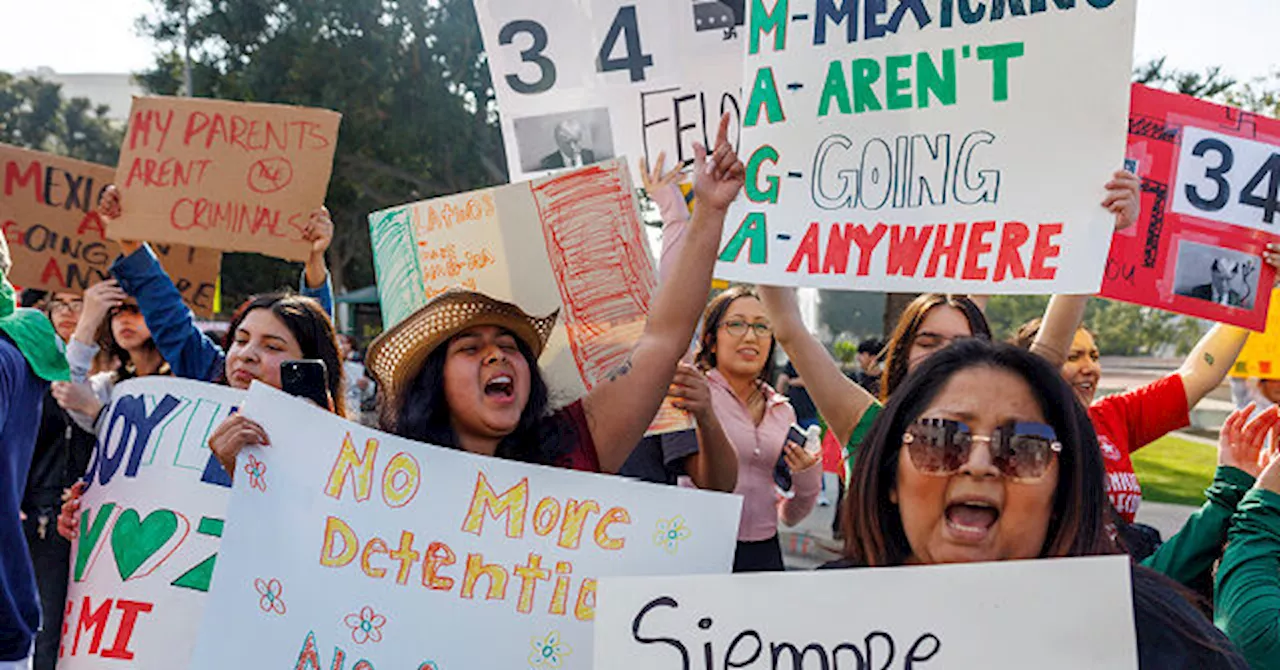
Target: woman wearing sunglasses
737, 351
983, 455
110, 322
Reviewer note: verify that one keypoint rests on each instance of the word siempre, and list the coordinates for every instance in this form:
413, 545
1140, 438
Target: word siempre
567, 521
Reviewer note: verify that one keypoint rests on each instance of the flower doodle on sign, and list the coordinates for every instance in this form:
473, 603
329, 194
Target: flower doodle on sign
549, 652
669, 533
257, 471
271, 592
366, 626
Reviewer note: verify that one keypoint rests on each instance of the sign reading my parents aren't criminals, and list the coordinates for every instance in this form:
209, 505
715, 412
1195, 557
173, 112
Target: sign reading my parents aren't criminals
932, 145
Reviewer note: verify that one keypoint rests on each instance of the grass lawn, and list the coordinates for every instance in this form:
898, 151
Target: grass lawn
1175, 470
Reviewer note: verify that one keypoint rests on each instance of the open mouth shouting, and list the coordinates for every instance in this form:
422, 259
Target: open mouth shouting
500, 388
971, 520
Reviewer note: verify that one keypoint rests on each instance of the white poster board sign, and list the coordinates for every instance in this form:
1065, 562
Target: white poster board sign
913, 146
623, 78
348, 543
150, 523
1059, 614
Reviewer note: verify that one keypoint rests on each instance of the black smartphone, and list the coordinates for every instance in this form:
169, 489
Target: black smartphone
306, 379
782, 471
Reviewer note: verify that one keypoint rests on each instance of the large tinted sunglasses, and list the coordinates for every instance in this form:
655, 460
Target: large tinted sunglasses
1019, 450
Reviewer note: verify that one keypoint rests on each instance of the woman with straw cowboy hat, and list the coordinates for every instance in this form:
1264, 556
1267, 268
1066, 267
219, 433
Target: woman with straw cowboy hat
462, 372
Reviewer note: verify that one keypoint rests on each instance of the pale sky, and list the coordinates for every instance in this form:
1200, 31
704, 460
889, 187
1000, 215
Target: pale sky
79, 36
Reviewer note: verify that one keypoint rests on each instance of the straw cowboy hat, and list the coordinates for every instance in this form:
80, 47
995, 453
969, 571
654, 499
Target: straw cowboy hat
397, 356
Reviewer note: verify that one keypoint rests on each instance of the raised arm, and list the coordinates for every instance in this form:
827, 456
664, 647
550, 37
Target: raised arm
1211, 360
315, 275
840, 401
620, 408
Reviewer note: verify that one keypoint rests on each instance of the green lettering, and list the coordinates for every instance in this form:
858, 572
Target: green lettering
764, 94
897, 88
753, 231
774, 22
770, 194
836, 89
999, 55
929, 80
866, 71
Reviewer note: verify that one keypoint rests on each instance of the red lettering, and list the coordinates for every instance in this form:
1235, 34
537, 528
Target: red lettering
977, 247
280, 140
1009, 260
217, 127
92, 222
838, 245
52, 271
196, 123
867, 245
141, 125
951, 250
320, 141
239, 128
131, 611
97, 622
1044, 250
807, 251
13, 175
906, 247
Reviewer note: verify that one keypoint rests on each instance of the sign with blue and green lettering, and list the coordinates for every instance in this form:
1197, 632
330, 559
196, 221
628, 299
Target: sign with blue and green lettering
930, 145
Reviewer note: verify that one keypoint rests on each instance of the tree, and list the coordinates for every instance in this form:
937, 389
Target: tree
1210, 84
34, 115
411, 82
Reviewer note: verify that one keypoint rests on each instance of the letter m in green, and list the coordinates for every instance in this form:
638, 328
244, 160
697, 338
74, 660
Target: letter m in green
768, 21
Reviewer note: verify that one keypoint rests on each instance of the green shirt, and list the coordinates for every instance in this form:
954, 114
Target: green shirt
1247, 593
1192, 551
859, 433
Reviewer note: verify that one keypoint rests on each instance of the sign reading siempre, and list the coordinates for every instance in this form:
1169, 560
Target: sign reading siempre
570, 242
225, 175
150, 524
1048, 614
355, 548
913, 146
1210, 195
580, 81
48, 211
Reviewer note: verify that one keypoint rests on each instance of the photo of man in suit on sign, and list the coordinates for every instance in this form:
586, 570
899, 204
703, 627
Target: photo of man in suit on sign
570, 152
1230, 283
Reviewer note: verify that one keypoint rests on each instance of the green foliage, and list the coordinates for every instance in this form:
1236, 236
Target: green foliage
409, 78
1121, 329
1210, 84
851, 312
845, 351
34, 115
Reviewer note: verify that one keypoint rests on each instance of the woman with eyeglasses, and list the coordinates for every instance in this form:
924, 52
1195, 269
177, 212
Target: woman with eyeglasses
736, 350
983, 454
110, 322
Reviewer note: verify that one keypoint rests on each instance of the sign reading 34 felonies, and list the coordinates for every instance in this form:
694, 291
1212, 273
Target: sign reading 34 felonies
930, 145
1049, 614
579, 81
351, 548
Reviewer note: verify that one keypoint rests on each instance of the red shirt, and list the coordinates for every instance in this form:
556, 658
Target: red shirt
1129, 421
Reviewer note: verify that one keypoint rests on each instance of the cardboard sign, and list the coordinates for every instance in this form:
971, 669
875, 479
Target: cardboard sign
1049, 614
1210, 176
571, 242
915, 146
351, 544
581, 81
48, 212
150, 524
1260, 358
225, 175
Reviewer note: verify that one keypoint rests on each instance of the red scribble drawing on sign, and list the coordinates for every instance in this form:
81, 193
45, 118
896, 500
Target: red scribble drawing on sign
601, 266
271, 592
257, 471
270, 174
366, 625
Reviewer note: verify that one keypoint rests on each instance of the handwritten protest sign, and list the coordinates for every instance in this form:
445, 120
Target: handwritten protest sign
570, 242
150, 525
1260, 358
910, 146
348, 543
584, 81
224, 175
1210, 194
48, 215
1051, 614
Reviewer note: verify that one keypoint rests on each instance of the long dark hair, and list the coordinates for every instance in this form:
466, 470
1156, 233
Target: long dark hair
107, 344
1077, 527
713, 318
310, 326
898, 349
422, 412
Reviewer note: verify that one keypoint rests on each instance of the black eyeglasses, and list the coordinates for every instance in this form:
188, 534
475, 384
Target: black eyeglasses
59, 306
738, 328
1020, 450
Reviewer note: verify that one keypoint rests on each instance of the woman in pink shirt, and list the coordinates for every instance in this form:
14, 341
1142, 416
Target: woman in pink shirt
736, 349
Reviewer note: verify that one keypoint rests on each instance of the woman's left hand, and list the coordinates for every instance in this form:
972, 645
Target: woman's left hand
1240, 443
76, 398
319, 231
1124, 196
718, 175
798, 458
